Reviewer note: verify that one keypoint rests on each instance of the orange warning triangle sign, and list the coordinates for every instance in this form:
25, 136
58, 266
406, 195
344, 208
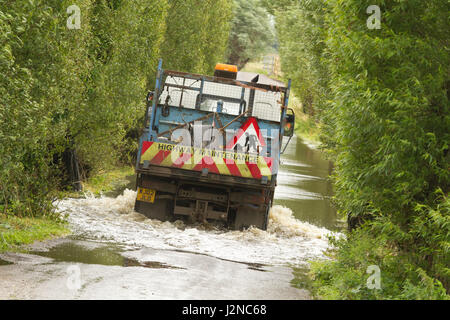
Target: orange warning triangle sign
249, 128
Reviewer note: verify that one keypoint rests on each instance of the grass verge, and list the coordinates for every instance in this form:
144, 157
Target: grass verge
305, 126
16, 232
110, 181
107, 182
255, 67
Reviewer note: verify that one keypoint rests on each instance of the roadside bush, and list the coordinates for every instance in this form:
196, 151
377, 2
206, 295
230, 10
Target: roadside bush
124, 52
382, 97
34, 61
251, 34
348, 273
197, 35
391, 118
72, 99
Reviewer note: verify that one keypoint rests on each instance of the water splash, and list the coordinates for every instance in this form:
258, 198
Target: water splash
287, 239
283, 222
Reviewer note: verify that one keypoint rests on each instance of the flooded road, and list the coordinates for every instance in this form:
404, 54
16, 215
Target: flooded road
117, 253
75, 269
304, 187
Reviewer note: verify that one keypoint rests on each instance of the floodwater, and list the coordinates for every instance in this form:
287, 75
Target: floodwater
123, 254
113, 220
304, 187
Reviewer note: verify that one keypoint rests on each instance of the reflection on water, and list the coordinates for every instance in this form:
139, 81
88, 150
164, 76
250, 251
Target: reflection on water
4, 263
303, 185
75, 251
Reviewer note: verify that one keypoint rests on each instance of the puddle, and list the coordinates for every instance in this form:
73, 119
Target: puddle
4, 263
72, 252
257, 269
149, 264
250, 265
301, 280
105, 255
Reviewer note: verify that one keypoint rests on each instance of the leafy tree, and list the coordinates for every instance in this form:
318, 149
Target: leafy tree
127, 36
216, 30
41, 77
70, 90
301, 32
79, 92
251, 33
382, 98
196, 35
392, 114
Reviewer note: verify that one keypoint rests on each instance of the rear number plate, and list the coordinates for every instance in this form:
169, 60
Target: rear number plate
146, 195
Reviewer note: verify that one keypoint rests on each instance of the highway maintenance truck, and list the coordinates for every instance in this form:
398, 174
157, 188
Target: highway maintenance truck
211, 147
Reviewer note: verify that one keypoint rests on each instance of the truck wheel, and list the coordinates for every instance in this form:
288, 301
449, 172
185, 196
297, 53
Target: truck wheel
231, 219
160, 209
247, 216
266, 217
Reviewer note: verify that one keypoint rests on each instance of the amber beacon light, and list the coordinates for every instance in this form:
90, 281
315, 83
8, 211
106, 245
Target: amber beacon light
226, 71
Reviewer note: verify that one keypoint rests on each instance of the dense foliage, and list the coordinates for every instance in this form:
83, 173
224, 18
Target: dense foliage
197, 34
382, 96
251, 34
76, 95
300, 27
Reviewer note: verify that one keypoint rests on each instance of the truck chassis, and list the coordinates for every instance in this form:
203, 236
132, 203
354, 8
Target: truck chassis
234, 202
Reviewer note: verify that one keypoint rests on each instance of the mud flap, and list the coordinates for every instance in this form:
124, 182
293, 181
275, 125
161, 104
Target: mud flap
249, 215
161, 209
266, 216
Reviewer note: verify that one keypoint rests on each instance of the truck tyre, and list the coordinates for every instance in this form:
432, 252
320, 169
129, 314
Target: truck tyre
160, 209
248, 215
266, 218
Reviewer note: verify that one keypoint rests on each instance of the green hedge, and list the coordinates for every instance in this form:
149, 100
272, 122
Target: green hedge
384, 109
82, 90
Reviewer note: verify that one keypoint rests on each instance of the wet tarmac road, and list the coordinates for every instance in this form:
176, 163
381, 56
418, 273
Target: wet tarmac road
116, 253
137, 274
